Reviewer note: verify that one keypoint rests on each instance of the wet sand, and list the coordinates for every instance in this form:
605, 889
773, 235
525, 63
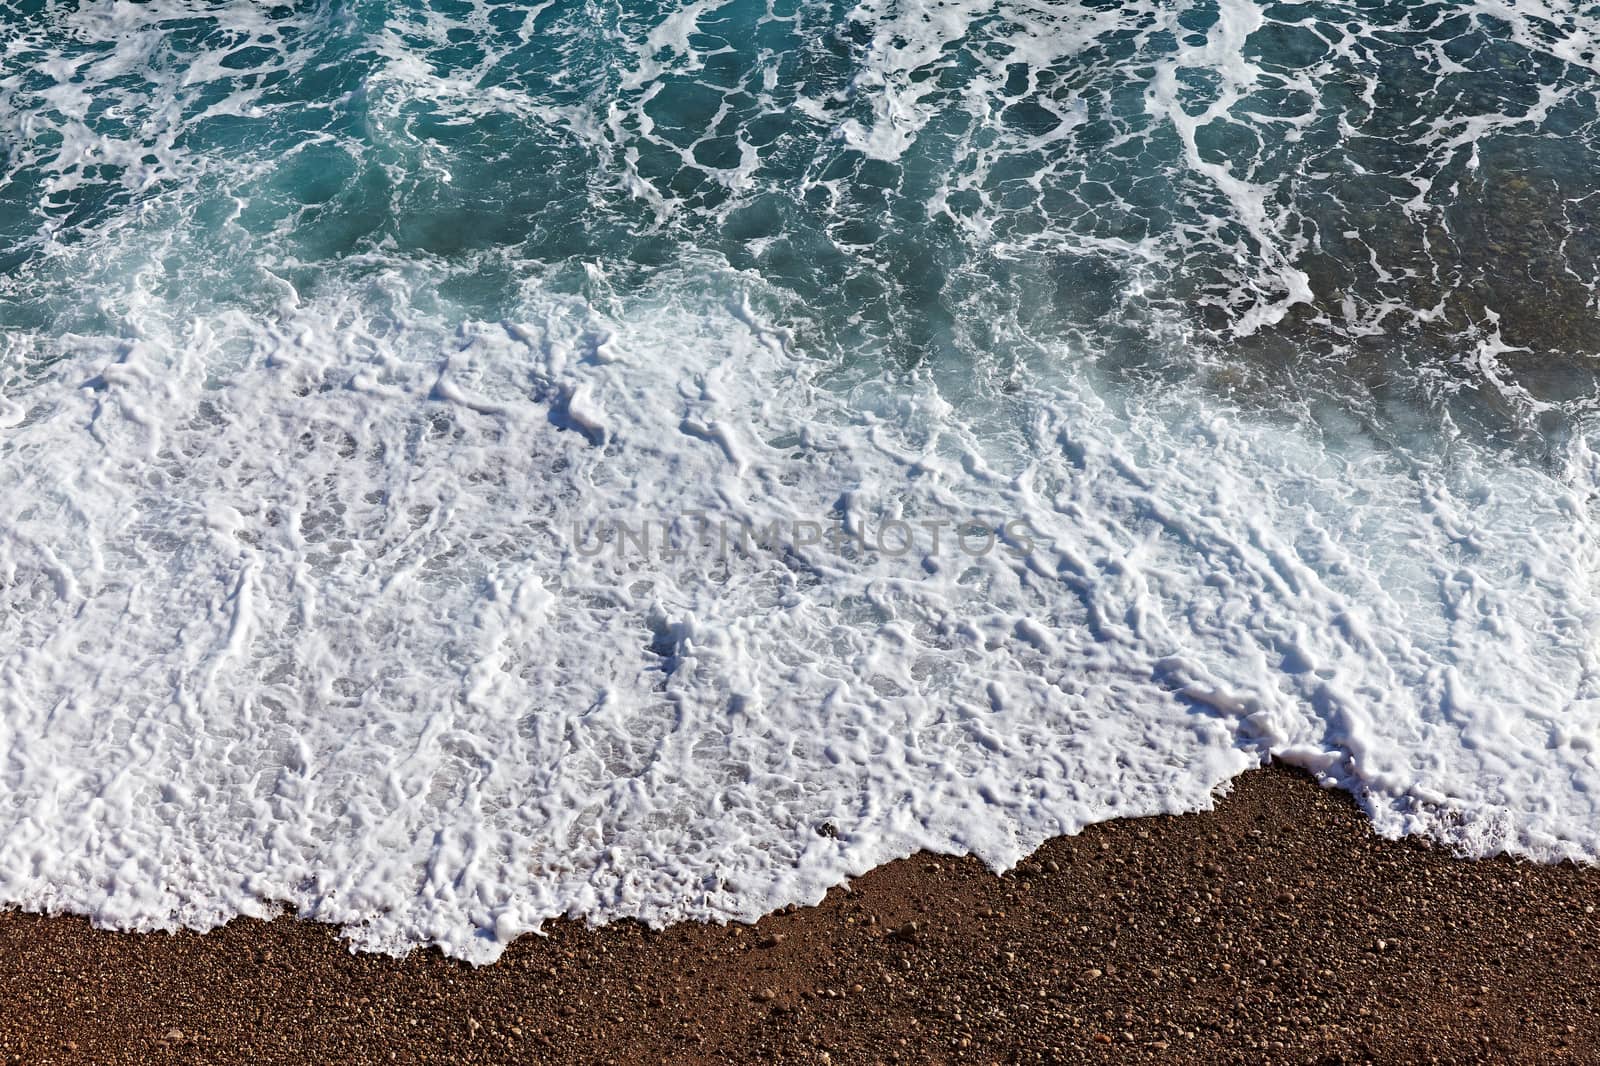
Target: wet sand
1276, 928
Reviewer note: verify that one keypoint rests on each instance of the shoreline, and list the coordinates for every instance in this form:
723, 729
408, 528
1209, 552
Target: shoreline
1277, 927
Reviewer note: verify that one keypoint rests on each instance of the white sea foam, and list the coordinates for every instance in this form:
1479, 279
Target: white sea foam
299, 601
320, 632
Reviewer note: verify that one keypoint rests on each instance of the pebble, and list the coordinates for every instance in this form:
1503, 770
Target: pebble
906, 933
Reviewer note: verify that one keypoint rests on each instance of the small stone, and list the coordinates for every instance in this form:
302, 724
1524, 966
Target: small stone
772, 940
175, 1035
1092, 974
766, 995
906, 933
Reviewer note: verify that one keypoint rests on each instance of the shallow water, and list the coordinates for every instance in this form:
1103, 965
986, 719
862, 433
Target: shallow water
463, 463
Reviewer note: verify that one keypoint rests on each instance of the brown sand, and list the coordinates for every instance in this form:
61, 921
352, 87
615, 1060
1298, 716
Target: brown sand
1277, 929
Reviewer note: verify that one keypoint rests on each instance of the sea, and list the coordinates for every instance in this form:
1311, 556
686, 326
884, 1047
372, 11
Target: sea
465, 463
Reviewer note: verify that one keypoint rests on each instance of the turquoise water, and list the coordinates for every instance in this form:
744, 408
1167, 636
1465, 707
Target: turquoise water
933, 183
1259, 341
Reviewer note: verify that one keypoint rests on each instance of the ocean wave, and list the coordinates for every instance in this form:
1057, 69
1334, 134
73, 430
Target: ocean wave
1103, 401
